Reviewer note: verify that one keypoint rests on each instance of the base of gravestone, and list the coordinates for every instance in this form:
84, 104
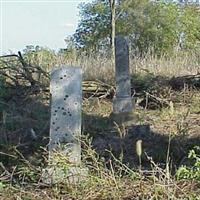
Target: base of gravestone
126, 118
71, 175
123, 104
123, 111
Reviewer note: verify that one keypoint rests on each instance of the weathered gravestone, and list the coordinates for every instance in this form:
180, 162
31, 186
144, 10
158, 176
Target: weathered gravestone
122, 102
65, 128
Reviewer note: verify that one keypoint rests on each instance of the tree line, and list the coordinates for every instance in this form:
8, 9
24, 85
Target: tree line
151, 26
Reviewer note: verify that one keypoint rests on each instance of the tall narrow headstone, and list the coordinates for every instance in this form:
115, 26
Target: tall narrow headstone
66, 98
65, 128
122, 101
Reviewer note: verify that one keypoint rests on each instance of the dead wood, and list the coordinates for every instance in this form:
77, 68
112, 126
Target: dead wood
97, 89
19, 74
191, 81
17, 71
153, 102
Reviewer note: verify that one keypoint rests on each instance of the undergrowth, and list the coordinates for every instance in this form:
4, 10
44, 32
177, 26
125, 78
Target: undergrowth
165, 165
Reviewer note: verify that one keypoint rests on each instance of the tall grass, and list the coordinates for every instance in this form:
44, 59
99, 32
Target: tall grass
100, 67
110, 179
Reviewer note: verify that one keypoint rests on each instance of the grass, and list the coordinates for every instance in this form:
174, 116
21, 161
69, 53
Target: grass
178, 64
165, 166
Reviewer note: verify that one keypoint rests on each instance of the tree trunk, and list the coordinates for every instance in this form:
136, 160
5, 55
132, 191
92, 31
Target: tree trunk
112, 7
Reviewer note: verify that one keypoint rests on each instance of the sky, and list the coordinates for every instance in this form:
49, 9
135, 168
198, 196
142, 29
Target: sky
37, 22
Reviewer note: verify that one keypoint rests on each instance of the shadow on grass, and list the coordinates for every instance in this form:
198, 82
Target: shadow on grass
24, 129
107, 137
24, 126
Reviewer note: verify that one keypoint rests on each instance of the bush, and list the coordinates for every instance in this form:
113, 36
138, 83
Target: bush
192, 173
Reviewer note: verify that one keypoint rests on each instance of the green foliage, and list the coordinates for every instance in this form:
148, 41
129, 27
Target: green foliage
142, 81
94, 26
27, 174
2, 186
158, 29
68, 53
190, 26
151, 26
193, 172
39, 56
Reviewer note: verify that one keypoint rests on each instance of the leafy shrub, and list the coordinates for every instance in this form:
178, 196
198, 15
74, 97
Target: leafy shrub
192, 173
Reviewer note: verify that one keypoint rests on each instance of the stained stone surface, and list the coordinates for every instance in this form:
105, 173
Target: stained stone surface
122, 104
65, 129
122, 101
66, 98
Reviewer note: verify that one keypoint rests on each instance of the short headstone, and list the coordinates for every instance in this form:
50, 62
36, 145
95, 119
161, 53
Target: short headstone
65, 127
122, 101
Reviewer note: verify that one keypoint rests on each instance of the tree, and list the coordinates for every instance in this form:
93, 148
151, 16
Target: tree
190, 26
112, 8
156, 28
94, 30
150, 25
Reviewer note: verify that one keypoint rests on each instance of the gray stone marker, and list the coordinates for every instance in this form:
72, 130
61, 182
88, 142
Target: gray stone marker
122, 102
66, 98
65, 128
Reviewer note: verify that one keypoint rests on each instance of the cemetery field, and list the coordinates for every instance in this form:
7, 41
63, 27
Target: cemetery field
153, 153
